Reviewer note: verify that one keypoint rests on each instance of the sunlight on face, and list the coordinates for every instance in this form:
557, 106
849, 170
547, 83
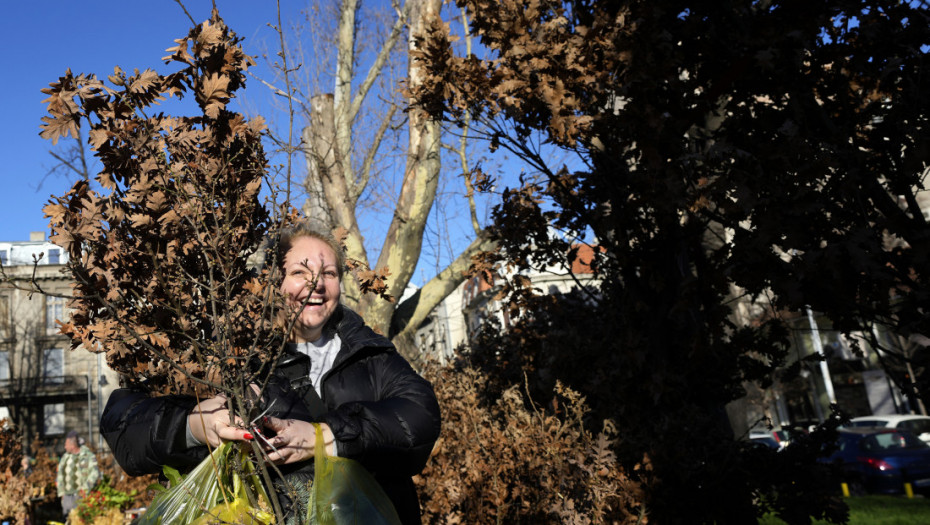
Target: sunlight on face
311, 285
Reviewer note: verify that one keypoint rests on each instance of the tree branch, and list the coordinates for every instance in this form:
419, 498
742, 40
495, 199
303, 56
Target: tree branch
378, 64
365, 175
410, 316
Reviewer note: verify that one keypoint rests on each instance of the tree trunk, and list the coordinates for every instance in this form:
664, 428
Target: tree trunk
404, 239
320, 158
333, 186
326, 170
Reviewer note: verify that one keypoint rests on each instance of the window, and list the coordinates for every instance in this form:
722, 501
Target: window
53, 419
54, 256
4, 258
890, 441
4, 366
916, 426
6, 320
53, 365
54, 310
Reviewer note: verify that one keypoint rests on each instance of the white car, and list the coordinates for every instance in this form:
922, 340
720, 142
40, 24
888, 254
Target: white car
917, 425
775, 438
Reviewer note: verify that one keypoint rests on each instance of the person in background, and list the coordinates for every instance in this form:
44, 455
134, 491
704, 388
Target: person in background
77, 472
25, 465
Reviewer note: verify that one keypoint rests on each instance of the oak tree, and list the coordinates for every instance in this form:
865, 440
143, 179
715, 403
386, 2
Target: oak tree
762, 153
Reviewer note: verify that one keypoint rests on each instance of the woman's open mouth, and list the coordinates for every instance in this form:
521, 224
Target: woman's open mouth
313, 301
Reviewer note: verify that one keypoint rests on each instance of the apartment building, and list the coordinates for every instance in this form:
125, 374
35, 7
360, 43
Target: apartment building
459, 317
46, 389
861, 379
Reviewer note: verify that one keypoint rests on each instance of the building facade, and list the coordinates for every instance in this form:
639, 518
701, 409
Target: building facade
46, 389
460, 316
850, 373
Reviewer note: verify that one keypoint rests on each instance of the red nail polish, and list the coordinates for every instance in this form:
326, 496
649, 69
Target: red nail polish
248, 436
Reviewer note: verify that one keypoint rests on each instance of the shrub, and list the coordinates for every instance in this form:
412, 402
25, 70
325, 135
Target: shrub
18, 487
101, 502
134, 486
512, 461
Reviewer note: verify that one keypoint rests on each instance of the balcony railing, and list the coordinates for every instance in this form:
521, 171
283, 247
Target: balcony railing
43, 389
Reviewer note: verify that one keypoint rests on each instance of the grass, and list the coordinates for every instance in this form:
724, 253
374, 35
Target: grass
878, 510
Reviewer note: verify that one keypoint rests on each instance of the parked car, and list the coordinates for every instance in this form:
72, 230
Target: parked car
882, 460
767, 441
779, 436
917, 425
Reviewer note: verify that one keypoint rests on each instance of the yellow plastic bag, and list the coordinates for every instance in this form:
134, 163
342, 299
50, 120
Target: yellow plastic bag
344, 493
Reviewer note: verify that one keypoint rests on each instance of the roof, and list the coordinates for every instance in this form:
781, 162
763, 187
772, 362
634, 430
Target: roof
869, 430
583, 258
889, 418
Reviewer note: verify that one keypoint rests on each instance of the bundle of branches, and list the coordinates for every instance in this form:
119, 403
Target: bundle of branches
23, 486
159, 243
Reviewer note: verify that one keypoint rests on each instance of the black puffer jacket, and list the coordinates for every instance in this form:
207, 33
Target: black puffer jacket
382, 413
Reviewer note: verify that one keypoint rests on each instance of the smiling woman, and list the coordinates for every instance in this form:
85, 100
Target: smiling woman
312, 272
371, 405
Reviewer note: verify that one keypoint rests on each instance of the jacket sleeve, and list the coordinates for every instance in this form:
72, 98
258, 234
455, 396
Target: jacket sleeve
146, 433
395, 433
59, 475
91, 470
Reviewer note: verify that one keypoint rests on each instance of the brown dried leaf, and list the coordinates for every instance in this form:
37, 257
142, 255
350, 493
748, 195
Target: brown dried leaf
60, 126
98, 137
213, 94
210, 34
143, 82
140, 220
179, 52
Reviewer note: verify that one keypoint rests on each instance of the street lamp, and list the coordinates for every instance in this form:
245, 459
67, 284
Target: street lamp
90, 415
101, 382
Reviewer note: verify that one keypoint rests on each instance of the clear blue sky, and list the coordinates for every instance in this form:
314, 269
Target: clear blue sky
44, 38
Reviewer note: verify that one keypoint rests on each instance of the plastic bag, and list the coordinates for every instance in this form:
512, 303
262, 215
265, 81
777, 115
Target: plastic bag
211, 492
344, 493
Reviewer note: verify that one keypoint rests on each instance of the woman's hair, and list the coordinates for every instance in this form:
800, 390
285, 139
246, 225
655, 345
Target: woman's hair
287, 236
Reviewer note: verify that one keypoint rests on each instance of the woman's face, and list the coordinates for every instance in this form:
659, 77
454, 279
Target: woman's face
311, 286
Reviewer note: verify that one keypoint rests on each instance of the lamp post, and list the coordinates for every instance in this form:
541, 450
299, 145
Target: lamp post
818, 348
101, 382
90, 415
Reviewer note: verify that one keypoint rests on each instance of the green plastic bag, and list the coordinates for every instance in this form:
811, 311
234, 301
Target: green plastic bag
344, 493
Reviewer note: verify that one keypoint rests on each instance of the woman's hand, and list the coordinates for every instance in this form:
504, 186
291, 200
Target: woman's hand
295, 440
209, 423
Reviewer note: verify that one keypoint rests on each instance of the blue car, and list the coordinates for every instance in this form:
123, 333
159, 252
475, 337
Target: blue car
882, 460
